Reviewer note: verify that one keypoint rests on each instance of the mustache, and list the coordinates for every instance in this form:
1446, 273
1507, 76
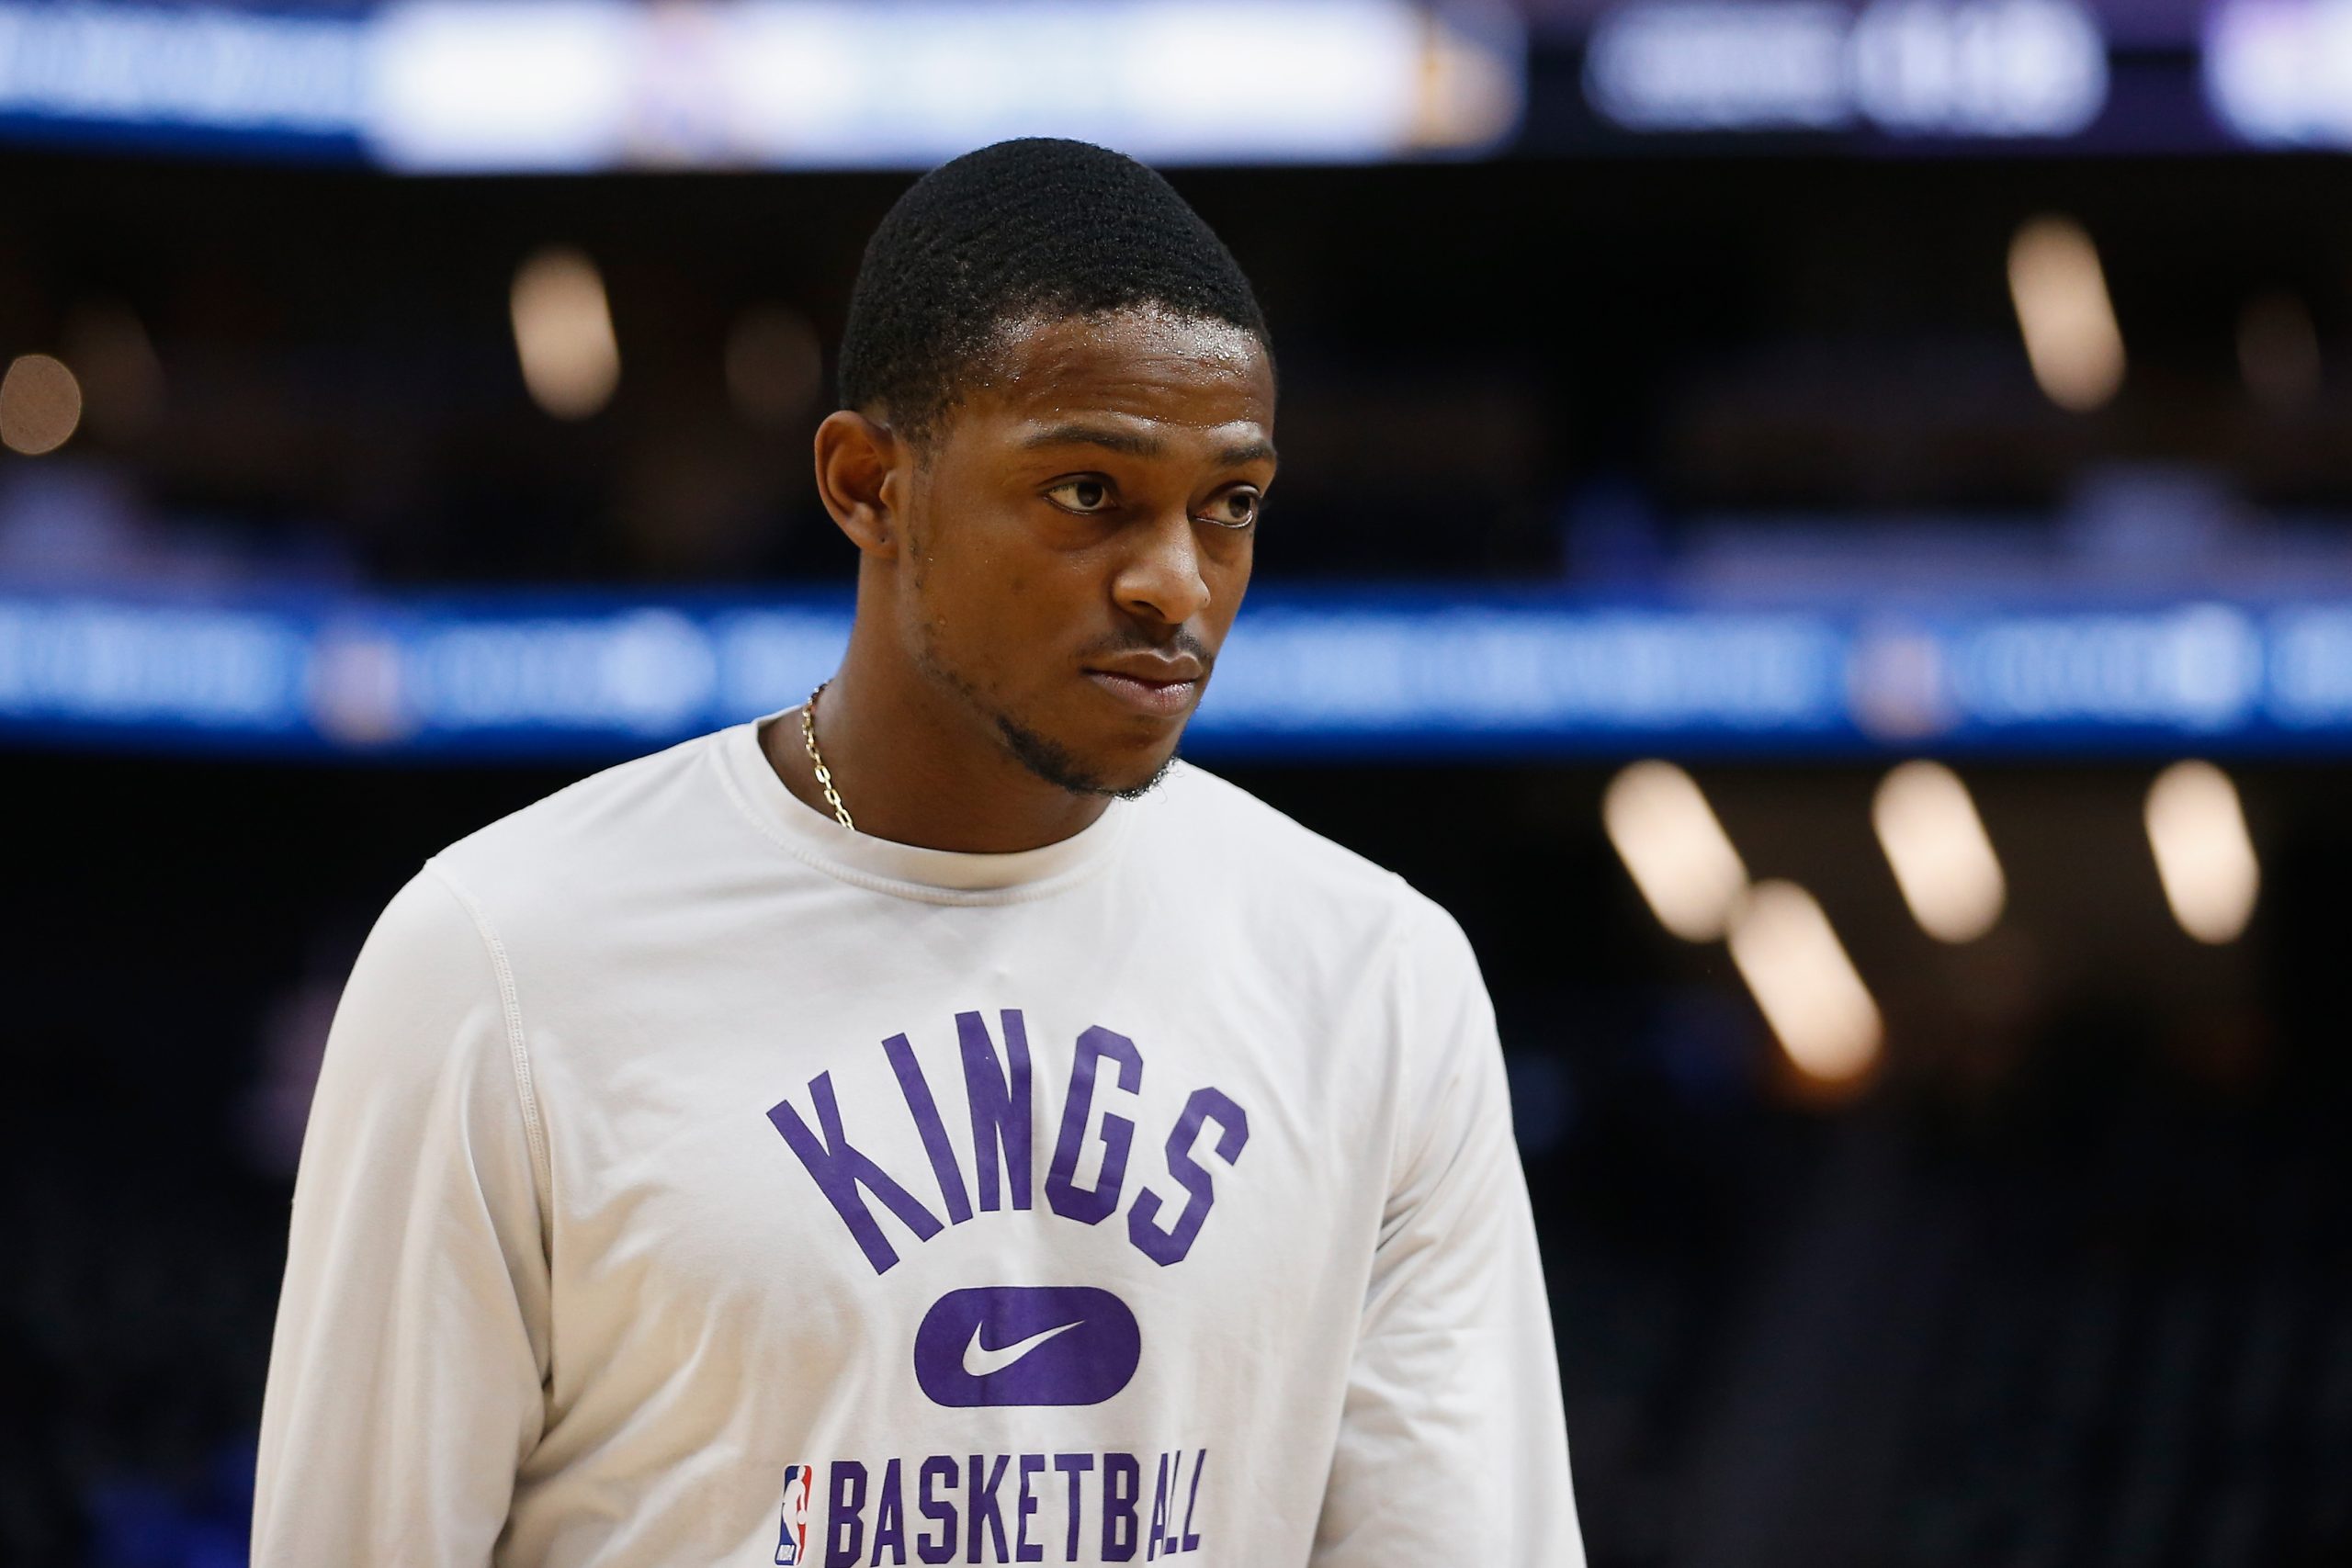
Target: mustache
1137, 641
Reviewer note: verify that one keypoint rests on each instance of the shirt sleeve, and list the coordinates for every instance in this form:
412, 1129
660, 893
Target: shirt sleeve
1453, 1444
406, 1373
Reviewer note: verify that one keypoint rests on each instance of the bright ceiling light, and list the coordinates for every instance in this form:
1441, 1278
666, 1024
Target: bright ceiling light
1944, 859
2025, 68
2204, 855
1807, 988
563, 333
1675, 849
40, 404
2071, 335
2280, 74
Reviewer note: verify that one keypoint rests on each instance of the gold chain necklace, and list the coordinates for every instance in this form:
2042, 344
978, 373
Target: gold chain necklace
816, 758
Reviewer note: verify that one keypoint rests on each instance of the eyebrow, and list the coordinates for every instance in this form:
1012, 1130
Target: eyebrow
1131, 443
1136, 443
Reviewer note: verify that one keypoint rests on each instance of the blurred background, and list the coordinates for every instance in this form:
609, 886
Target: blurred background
1823, 531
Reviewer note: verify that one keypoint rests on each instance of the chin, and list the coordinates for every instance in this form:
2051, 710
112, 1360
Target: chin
1123, 770
1144, 782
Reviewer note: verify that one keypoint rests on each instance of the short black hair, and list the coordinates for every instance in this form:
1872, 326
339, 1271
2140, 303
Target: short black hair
1029, 228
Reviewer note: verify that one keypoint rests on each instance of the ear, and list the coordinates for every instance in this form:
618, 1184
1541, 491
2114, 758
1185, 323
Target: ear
862, 476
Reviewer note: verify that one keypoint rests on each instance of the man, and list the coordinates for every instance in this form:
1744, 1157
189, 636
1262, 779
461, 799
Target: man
894, 1131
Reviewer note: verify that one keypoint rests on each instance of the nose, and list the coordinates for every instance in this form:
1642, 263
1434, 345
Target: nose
1161, 579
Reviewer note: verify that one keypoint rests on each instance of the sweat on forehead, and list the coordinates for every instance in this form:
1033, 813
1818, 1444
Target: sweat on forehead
1036, 228
1064, 349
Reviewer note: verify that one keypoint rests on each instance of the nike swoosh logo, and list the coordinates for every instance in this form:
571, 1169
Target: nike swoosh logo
980, 1360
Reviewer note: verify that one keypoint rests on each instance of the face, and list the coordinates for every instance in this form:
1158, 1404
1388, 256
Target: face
1078, 536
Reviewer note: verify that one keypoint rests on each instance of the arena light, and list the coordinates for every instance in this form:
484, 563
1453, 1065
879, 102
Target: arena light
1307, 674
226, 68
2204, 855
495, 85
40, 404
1992, 68
2192, 666
1805, 983
1943, 858
1720, 65
530, 85
2071, 334
1673, 847
1973, 68
505, 84
563, 333
2278, 73
2279, 350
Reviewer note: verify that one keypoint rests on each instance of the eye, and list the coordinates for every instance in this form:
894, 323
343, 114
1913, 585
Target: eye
1084, 494
1236, 508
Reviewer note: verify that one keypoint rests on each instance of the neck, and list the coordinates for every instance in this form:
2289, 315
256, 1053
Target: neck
915, 765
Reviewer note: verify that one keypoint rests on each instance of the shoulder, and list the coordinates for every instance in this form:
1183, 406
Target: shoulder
1265, 859
1218, 819
1352, 938
604, 841
426, 1006
611, 800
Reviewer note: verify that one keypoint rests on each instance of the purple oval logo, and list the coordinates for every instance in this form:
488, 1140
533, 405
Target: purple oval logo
1027, 1345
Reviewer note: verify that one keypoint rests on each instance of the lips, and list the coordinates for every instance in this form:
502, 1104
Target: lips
1160, 687
1161, 699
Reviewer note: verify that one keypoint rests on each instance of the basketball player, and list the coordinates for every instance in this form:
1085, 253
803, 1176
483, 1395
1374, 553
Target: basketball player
931, 1126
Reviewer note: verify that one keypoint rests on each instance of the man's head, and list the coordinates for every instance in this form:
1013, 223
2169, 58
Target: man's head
1058, 422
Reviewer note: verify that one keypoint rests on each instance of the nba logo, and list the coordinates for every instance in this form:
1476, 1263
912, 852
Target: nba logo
792, 1537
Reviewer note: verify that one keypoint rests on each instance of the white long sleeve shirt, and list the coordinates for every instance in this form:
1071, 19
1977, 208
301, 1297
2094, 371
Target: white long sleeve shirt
692, 1182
